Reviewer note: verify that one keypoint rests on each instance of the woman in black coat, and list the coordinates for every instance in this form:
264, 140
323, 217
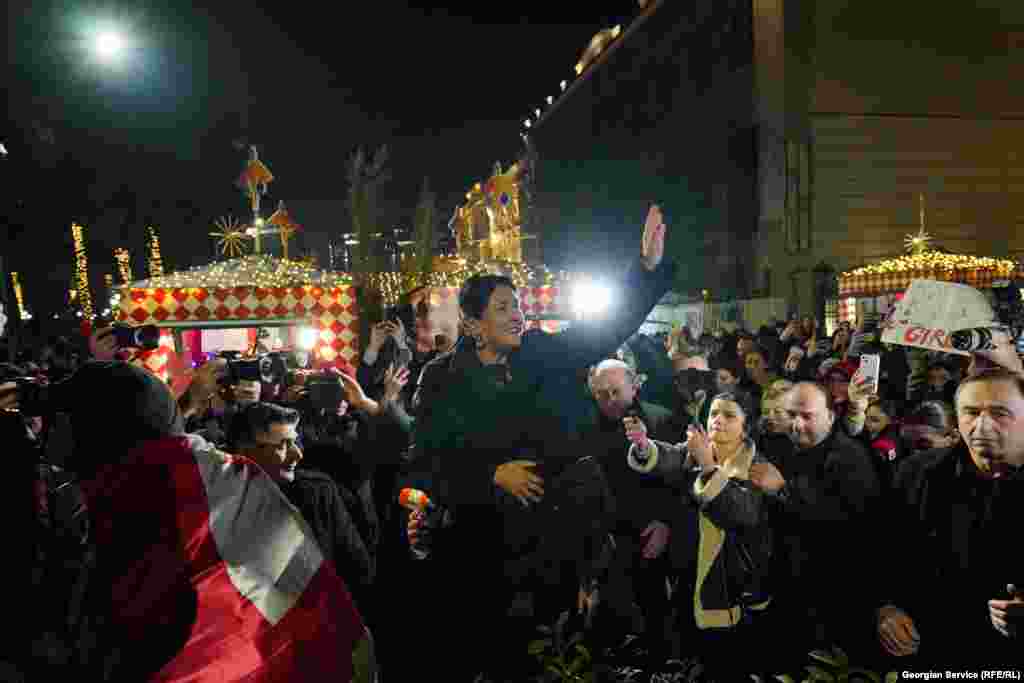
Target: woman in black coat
499, 421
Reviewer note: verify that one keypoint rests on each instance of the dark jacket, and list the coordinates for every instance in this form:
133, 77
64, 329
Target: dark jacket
825, 518
341, 448
886, 451
470, 419
318, 499
725, 557
639, 500
953, 536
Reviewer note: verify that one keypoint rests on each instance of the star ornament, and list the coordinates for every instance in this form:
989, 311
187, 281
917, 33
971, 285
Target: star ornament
231, 237
919, 243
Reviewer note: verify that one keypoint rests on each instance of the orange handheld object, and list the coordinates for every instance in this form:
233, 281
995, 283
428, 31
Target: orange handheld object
414, 499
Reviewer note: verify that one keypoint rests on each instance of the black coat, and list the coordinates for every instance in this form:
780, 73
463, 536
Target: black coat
952, 548
639, 499
470, 419
825, 521
318, 499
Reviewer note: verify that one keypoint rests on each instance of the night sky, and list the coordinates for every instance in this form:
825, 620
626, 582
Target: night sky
156, 138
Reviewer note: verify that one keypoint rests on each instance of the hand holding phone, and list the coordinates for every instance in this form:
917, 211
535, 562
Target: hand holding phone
870, 369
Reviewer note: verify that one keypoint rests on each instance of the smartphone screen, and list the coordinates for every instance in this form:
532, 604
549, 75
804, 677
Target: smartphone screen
870, 368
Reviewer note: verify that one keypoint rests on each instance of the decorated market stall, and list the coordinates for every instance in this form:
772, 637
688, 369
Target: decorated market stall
256, 291
260, 292
873, 288
249, 299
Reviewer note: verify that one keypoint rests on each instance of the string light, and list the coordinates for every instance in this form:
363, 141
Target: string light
19, 297
156, 263
934, 261
82, 271
266, 272
124, 264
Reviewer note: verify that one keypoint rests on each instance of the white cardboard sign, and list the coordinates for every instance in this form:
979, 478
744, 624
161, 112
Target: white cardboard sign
931, 311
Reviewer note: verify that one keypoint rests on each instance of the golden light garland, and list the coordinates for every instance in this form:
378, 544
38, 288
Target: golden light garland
124, 264
19, 297
108, 281
934, 261
156, 263
264, 271
393, 285
82, 271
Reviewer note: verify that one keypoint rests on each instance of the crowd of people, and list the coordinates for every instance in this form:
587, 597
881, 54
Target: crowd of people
699, 508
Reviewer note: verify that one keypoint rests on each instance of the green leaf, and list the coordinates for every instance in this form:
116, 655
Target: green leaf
819, 674
539, 646
825, 657
583, 651
892, 677
864, 675
560, 672
785, 678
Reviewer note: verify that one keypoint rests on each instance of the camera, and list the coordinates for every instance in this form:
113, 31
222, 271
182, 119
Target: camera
1008, 307
403, 313
146, 337
325, 391
691, 381
270, 368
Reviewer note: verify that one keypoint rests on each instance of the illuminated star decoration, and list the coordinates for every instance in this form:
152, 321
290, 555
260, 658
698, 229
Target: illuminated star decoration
231, 237
919, 243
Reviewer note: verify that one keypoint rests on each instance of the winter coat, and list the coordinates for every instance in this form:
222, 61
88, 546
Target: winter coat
948, 545
825, 518
731, 557
471, 418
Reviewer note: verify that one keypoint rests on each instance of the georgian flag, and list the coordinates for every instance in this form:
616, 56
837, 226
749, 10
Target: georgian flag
192, 525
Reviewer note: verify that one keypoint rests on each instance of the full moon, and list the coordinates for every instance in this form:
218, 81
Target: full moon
109, 44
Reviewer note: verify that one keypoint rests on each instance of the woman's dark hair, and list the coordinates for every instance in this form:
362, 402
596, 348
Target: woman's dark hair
937, 414
743, 400
476, 293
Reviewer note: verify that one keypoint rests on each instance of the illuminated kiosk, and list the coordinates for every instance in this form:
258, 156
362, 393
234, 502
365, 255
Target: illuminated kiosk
873, 288
252, 292
489, 238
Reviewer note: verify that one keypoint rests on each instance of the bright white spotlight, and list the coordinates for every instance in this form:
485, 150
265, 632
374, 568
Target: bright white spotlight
590, 298
307, 338
109, 45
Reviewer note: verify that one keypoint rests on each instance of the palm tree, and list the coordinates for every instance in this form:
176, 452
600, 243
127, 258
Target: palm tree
365, 175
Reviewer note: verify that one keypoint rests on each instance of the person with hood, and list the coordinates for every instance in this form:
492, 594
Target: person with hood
203, 569
499, 422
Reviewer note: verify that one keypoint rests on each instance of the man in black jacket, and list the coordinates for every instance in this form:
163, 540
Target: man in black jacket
826, 496
266, 433
955, 592
646, 508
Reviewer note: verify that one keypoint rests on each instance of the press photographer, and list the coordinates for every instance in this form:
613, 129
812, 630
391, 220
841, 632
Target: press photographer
225, 385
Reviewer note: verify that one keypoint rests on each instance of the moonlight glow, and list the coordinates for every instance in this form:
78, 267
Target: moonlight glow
109, 45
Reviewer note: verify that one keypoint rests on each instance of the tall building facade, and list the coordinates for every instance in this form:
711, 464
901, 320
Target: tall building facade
875, 118
793, 139
665, 113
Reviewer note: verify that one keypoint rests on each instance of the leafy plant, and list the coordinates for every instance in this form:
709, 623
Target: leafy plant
425, 213
833, 666
561, 658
